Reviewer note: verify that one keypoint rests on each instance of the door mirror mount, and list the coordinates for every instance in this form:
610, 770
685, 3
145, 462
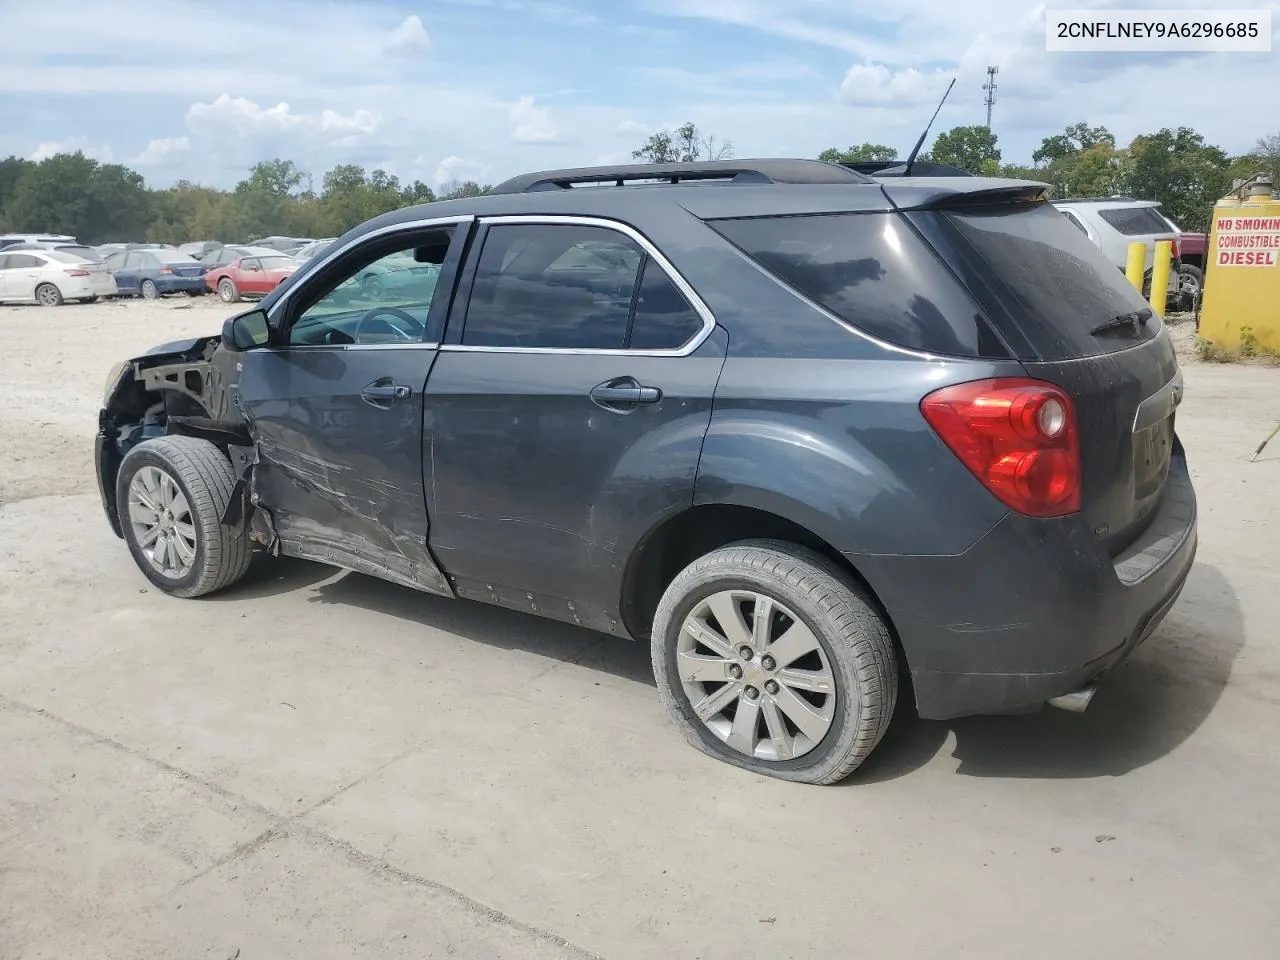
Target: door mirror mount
246, 331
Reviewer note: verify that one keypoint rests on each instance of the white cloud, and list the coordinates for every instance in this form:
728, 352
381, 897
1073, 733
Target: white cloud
409, 38
531, 123
245, 117
632, 128
162, 152
459, 168
873, 84
51, 148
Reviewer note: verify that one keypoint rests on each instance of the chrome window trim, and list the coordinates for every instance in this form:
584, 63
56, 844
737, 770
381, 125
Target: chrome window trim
631, 233
405, 345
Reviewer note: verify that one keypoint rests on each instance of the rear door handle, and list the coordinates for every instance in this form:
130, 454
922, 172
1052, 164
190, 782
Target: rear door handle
384, 392
623, 392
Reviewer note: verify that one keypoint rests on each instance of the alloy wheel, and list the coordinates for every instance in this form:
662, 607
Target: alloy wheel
162, 522
756, 676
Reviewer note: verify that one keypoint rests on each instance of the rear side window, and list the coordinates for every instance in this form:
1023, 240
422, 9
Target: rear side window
872, 271
563, 287
1037, 272
1135, 221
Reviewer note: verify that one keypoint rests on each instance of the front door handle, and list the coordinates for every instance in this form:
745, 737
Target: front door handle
623, 393
384, 392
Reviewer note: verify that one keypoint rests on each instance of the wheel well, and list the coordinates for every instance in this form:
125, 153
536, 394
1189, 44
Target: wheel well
677, 542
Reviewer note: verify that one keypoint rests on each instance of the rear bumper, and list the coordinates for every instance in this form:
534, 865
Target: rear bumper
1035, 609
180, 284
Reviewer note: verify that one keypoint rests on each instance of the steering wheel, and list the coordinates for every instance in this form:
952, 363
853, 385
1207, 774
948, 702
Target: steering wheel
408, 329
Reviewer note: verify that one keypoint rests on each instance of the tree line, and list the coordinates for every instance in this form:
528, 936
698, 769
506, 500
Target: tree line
1176, 167
103, 202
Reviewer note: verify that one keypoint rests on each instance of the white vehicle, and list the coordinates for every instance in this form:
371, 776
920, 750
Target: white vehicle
312, 249
49, 277
9, 239
1112, 223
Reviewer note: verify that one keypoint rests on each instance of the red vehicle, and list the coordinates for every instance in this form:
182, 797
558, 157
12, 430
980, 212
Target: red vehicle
254, 276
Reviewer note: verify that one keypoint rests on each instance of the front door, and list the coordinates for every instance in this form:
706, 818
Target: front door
335, 407
566, 417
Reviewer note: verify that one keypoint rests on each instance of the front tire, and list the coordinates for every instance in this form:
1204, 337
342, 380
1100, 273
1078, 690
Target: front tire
149, 290
228, 291
771, 658
171, 493
48, 295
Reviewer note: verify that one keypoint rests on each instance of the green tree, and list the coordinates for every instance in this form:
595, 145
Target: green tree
73, 194
1074, 140
11, 170
1177, 168
685, 144
457, 189
863, 152
972, 149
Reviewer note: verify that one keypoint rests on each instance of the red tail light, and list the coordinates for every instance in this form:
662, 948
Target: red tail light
1017, 436
166, 269
77, 273
1175, 250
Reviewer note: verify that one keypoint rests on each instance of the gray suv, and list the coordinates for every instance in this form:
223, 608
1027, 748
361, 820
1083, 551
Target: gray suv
813, 437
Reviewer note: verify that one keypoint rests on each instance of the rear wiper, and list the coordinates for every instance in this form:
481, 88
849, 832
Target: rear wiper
1136, 318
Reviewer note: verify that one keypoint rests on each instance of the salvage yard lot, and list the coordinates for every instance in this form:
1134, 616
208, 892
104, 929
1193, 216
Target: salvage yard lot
317, 764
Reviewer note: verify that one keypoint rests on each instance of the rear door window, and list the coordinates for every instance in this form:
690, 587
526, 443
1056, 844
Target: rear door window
872, 271
1034, 272
1135, 221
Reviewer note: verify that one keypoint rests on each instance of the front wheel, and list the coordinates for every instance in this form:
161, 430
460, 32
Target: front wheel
172, 493
149, 290
771, 658
228, 291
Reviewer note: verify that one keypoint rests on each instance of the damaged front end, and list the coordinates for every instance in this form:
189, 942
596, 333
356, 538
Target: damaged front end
187, 387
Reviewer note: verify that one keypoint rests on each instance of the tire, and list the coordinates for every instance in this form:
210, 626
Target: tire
1190, 286
854, 650
228, 292
48, 295
149, 290
205, 479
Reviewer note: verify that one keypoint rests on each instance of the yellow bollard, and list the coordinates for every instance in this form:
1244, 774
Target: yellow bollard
1136, 265
1160, 276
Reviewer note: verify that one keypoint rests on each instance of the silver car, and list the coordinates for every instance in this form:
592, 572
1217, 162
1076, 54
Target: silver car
1112, 223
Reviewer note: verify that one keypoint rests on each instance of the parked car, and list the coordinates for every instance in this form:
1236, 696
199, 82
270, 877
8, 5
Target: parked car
786, 424
1192, 251
249, 276
72, 249
11, 239
232, 252
199, 248
51, 277
151, 273
280, 244
1112, 223
312, 249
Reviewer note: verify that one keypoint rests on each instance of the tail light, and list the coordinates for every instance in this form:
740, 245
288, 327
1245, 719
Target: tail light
1017, 436
1174, 244
77, 273
166, 269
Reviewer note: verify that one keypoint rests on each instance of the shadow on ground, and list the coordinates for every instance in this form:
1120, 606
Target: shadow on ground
1143, 710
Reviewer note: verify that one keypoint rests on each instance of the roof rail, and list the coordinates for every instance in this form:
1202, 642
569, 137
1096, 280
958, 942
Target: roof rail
1097, 200
734, 171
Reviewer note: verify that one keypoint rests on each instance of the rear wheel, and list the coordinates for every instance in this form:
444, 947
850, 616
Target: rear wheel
171, 493
149, 290
1190, 286
48, 295
228, 291
769, 657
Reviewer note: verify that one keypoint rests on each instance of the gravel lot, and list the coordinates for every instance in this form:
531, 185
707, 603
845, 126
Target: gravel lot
317, 764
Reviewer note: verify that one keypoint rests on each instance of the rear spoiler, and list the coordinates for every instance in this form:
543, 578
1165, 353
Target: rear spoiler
936, 193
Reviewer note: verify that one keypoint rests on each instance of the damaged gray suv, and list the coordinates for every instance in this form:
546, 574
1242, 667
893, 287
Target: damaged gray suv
812, 436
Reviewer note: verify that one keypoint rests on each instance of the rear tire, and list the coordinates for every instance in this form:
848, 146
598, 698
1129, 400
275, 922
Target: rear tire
183, 485
228, 291
48, 295
149, 290
1190, 286
850, 654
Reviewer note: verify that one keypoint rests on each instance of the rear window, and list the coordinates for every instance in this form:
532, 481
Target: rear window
872, 271
62, 256
277, 263
1040, 279
172, 256
1135, 221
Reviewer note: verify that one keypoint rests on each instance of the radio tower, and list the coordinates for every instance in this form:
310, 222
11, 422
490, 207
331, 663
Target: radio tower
990, 87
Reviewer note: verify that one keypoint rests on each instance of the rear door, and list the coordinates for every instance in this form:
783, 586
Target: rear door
565, 413
335, 406
1062, 308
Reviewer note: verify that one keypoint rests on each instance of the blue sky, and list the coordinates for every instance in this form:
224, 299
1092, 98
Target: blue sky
483, 89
